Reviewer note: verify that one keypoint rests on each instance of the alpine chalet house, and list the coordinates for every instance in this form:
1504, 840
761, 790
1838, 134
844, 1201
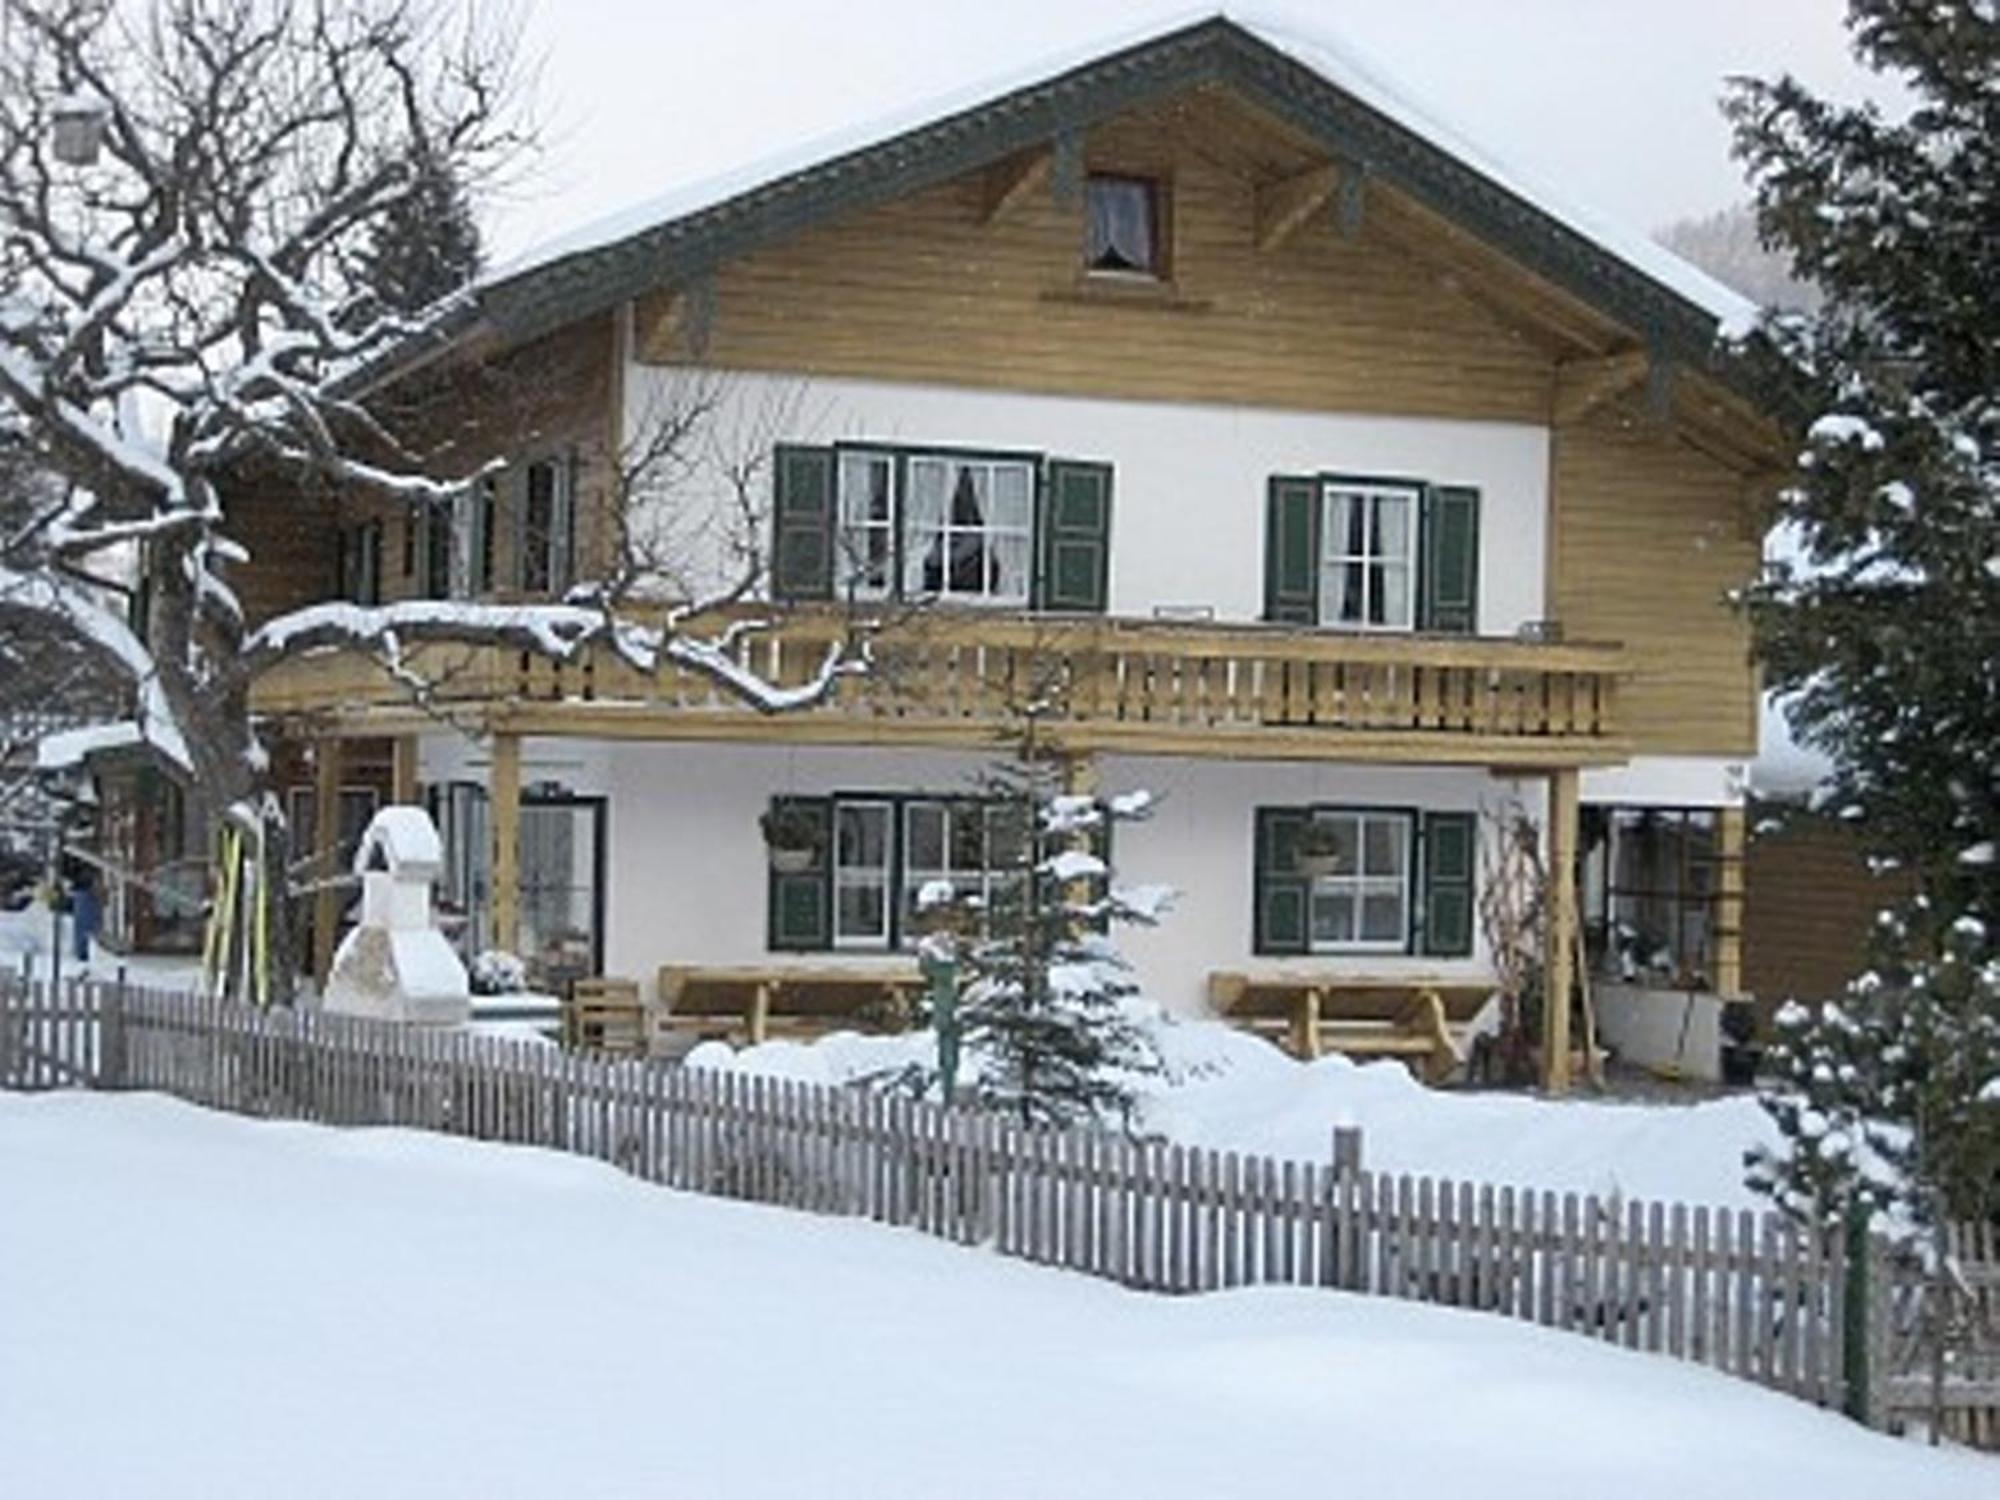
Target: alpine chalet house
1342, 479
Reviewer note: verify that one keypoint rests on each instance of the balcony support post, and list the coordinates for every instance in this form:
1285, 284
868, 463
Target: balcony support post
403, 770
1558, 966
325, 865
503, 800
1729, 841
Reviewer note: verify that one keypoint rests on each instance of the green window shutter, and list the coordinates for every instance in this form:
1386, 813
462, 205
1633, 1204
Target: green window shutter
1447, 884
800, 906
1291, 551
1282, 915
1450, 542
802, 524
1076, 537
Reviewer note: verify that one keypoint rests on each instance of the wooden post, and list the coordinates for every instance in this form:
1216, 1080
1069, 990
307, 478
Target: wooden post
1561, 930
403, 770
326, 869
503, 796
1729, 840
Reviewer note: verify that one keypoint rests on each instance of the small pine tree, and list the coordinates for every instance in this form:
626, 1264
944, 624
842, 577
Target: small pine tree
1882, 624
1044, 994
1891, 1098
426, 247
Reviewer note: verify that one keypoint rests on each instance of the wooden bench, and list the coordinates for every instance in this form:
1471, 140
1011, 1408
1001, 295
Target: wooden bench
754, 1002
1419, 1018
605, 1015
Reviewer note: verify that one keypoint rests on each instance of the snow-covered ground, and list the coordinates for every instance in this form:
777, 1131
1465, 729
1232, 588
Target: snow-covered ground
198, 1305
27, 936
1226, 1089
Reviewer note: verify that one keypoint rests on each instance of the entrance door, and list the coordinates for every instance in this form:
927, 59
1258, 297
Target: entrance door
562, 888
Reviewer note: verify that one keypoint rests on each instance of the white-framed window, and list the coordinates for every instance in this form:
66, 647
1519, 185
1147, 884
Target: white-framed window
862, 873
1364, 905
866, 566
972, 846
1368, 562
962, 524
968, 529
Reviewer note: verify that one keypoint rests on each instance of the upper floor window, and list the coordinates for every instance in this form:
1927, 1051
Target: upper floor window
1372, 554
359, 564
968, 527
877, 522
1368, 565
547, 527
1122, 225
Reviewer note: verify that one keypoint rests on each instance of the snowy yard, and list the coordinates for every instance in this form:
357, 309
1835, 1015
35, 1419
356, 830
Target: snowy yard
198, 1305
1232, 1091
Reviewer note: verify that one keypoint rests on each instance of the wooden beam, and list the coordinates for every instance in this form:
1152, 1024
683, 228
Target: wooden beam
503, 797
1284, 206
326, 840
1583, 385
1729, 839
656, 321
1560, 936
1012, 180
403, 770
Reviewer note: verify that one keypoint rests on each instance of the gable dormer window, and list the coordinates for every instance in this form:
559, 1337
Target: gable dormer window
1122, 229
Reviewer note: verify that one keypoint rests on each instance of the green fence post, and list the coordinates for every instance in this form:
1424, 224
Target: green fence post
1857, 1325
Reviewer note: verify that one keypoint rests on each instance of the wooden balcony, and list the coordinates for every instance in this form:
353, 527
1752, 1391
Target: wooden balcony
1137, 686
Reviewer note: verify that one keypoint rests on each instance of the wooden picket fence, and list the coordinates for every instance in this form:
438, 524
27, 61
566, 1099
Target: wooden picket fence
1747, 1294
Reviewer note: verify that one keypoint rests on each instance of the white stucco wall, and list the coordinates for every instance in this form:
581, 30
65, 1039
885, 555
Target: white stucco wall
1668, 781
1189, 480
686, 862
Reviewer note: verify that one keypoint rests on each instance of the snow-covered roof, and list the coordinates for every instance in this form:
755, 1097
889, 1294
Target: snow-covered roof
1333, 63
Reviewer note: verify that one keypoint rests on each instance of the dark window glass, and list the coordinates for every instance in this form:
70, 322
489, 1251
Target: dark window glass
1122, 230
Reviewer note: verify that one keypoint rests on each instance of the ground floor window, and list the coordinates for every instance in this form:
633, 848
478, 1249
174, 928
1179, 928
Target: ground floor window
1331, 879
1649, 885
1364, 904
882, 849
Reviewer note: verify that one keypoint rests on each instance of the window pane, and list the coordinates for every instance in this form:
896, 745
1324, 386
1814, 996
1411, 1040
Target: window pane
860, 911
1332, 915
968, 497
1383, 846
1121, 234
1393, 583
1382, 914
1392, 526
968, 838
1346, 835
1010, 567
1013, 496
924, 841
862, 837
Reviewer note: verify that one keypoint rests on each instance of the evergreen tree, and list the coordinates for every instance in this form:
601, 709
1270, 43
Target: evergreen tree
425, 245
1045, 998
1882, 622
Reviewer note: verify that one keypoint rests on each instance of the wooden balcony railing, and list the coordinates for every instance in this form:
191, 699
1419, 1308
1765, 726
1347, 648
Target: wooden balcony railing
1146, 686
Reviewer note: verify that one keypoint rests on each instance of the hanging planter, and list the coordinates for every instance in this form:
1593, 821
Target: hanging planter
1316, 851
794, 838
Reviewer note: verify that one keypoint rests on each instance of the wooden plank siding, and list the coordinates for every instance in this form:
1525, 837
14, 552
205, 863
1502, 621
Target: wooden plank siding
1648, 536
923, 289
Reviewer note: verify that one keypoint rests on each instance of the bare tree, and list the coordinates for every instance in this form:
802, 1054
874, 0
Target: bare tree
189, 194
